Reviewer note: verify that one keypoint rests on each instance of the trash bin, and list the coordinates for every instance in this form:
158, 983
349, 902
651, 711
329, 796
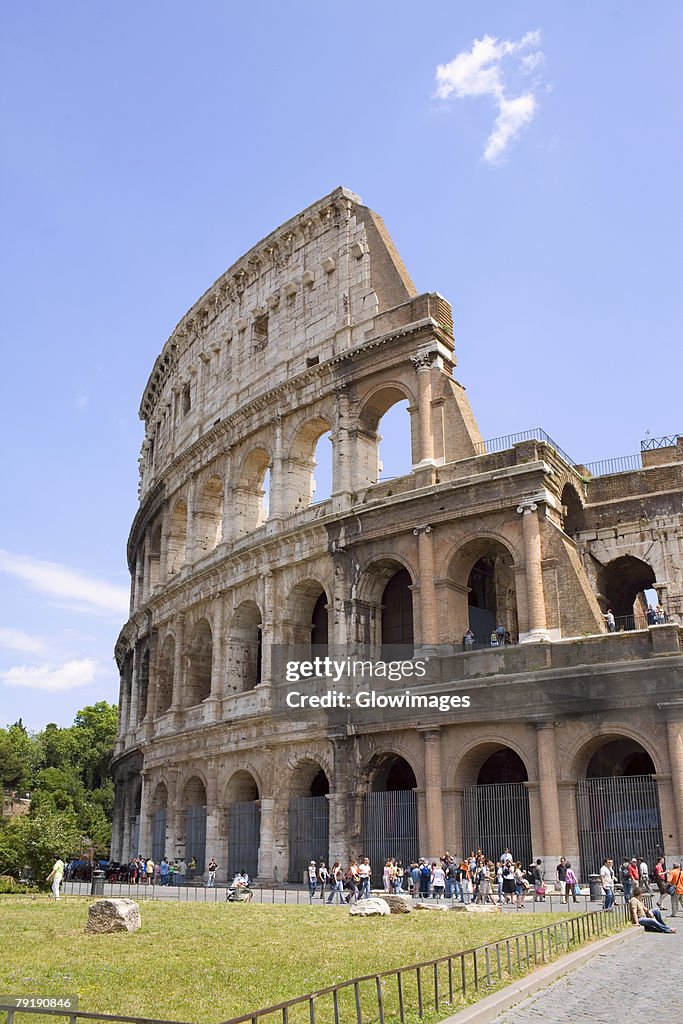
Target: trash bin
97, 884
595, 887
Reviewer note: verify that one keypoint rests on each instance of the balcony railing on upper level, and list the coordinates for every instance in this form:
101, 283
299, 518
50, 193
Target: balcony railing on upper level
501, 444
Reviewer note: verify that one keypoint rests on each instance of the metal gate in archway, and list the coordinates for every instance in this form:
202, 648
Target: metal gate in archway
495, 817
309, 829
390, 828
195, 836
159, 836
244, 837
618, 816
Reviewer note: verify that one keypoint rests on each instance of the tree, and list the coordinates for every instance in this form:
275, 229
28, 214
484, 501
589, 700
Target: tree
36, 842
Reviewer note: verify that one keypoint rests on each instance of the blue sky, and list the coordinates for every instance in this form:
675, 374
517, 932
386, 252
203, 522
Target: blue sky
534, 181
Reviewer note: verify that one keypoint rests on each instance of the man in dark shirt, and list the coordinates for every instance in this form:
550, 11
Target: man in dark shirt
561, 877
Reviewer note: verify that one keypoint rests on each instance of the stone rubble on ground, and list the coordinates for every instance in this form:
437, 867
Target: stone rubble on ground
113, 915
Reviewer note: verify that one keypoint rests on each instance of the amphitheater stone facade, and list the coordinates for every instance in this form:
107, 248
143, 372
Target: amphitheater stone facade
572, 742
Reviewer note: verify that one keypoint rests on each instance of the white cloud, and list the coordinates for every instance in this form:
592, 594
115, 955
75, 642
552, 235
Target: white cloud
479, 72
68, 676
17, 640
60, 581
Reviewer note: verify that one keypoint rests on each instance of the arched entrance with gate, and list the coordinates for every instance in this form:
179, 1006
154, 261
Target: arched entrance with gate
244, 824
308, 818
495, 803
194, 806
390, 824
617, 804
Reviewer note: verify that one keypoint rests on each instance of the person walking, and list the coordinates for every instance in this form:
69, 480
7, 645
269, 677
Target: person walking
607, 883
571, 885
323, 875
312, 879
56, 876
660, 881
336, 878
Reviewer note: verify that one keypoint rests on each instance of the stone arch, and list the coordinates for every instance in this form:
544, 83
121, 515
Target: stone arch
495, 799
617, 800
308, 815
475, 756
199, 658
244, 647
375, 405
621, 584
390, 811
299, 483
483, 592
250, 496
193, 803
243, 819
209, 515
586, 747
177, 538
165, 674
307, 613
159, 800
573, 515
385, 616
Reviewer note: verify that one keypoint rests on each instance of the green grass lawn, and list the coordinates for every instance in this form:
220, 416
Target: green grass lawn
209, 962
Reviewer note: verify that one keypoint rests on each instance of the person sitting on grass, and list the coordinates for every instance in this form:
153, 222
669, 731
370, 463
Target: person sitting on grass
650, 920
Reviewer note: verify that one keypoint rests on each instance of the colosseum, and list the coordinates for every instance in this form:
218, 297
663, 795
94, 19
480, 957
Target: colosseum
570, 741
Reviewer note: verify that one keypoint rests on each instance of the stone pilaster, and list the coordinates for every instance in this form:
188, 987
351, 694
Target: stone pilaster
433, 791
278, 474
178, 662
427, 592
551, 822
266, 840
674, 734
533, 573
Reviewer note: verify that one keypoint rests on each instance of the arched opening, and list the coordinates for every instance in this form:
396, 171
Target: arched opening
495, 810
244, 824
390, 827
132, 812
159, 811
622, 583
307, 619
573, 516
617, 804
485, 595
165, 669
309, 464
321, 488
384, 443
209, 518
394, 437
251, 495
244, 648
194, 805
154, 556
143, 684
320, 625
308, 816
199, 658
397, 618
177, 539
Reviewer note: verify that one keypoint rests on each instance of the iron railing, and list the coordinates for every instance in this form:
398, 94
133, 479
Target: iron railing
427, 988
501, 444
608, 467
652, 443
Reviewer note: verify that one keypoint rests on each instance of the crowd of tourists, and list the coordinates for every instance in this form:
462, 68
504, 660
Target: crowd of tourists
634, 877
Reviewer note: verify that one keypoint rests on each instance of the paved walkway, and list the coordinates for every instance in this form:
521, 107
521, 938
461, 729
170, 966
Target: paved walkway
634, 983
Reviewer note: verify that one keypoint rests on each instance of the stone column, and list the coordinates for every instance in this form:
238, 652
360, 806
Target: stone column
533, 573
341, 464
147, 569
267, 627
178, 681
126, 837
213, 813
423, 365
151, 709
191, 537
427, 591
278, 474
674, 733
145, 837
217, 648
550, 802
266, 840
433, 791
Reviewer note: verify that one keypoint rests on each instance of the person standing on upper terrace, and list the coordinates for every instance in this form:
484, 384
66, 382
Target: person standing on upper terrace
609, 619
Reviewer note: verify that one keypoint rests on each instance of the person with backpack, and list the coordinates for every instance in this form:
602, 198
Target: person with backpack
626, 880
425, 879
571, 885
660, 881
674, 888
